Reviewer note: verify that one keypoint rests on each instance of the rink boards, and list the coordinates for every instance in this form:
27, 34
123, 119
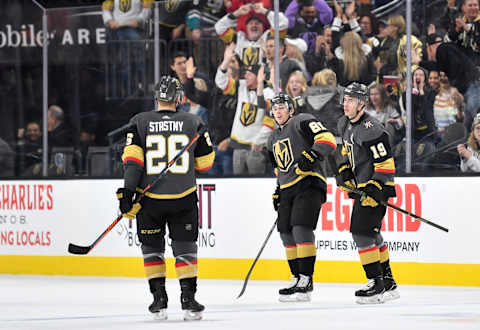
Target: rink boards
39, 218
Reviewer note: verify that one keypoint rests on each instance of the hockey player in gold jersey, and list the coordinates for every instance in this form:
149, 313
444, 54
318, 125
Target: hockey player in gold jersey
153, 139
297, 148
366, 163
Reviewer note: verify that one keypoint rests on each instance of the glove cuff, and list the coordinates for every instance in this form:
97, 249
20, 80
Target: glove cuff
377, 184
310, 155
125, 193
346, 173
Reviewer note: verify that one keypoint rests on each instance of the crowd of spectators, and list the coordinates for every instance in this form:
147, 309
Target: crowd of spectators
324, 46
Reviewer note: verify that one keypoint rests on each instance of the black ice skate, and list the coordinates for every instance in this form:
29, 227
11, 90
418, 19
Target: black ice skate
391, 288
193, 309
299, 289
289, 294
372, 293
304, 287
159, 305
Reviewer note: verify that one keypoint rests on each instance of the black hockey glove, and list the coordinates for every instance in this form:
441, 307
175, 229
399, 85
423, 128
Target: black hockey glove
346, 180
276, 198
308, 159
373, 195
127, 207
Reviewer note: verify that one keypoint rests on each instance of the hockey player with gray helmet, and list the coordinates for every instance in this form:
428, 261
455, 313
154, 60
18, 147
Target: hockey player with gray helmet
297, 147
365, 162
153, 139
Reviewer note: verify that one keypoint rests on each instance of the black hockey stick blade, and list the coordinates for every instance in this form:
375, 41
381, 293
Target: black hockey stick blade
77, 249
244, 287
82, 250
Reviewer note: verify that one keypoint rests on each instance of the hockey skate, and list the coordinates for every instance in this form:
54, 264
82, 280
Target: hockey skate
299, 289
372, 293
193, 309
391, 288
159, 306
288, 294
304, 287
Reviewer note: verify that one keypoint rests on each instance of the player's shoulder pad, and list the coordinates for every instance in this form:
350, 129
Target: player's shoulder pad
132, 124
134, 120
196, 120
342, 124
370, 129
302, 117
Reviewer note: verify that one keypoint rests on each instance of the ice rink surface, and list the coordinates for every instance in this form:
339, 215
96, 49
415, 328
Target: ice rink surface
71, 303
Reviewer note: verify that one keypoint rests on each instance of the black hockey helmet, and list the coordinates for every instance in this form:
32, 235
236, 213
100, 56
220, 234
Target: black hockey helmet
356, 90
282, 98
169, 89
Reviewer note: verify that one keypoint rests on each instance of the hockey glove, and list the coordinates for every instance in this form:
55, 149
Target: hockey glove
127, 207
372, 194
276, 198
307, 160
346, 180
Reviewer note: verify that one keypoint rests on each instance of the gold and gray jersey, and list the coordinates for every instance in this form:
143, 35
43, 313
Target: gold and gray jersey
303, 132
366, 150
156, 137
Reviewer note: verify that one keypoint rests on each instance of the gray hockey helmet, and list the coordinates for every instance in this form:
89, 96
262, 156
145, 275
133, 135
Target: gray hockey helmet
355, 90
169, 89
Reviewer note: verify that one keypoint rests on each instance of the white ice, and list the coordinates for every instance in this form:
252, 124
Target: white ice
70, 303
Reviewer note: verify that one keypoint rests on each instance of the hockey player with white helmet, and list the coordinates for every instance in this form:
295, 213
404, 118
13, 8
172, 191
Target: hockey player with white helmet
366, 163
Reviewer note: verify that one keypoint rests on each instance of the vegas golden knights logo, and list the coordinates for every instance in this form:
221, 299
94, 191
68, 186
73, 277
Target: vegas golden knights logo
125, 5
282, 150
251, 56
348, 149
172, 5
249, 114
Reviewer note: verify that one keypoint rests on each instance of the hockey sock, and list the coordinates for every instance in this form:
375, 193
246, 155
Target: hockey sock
306, 251
185, 259
383, 253
154, 262
384, 261
306, 258
370, 259
291, 251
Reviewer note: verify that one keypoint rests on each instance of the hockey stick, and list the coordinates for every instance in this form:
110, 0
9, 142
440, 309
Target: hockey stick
256, 259
333, 166
77, 249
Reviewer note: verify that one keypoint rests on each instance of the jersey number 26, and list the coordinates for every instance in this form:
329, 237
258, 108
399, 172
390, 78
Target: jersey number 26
161, 150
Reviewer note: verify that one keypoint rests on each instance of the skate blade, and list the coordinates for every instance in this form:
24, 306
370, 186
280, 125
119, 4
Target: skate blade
192, 316
391, 295
161, 315
287, 298
376, 299
303, 297
296, 297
